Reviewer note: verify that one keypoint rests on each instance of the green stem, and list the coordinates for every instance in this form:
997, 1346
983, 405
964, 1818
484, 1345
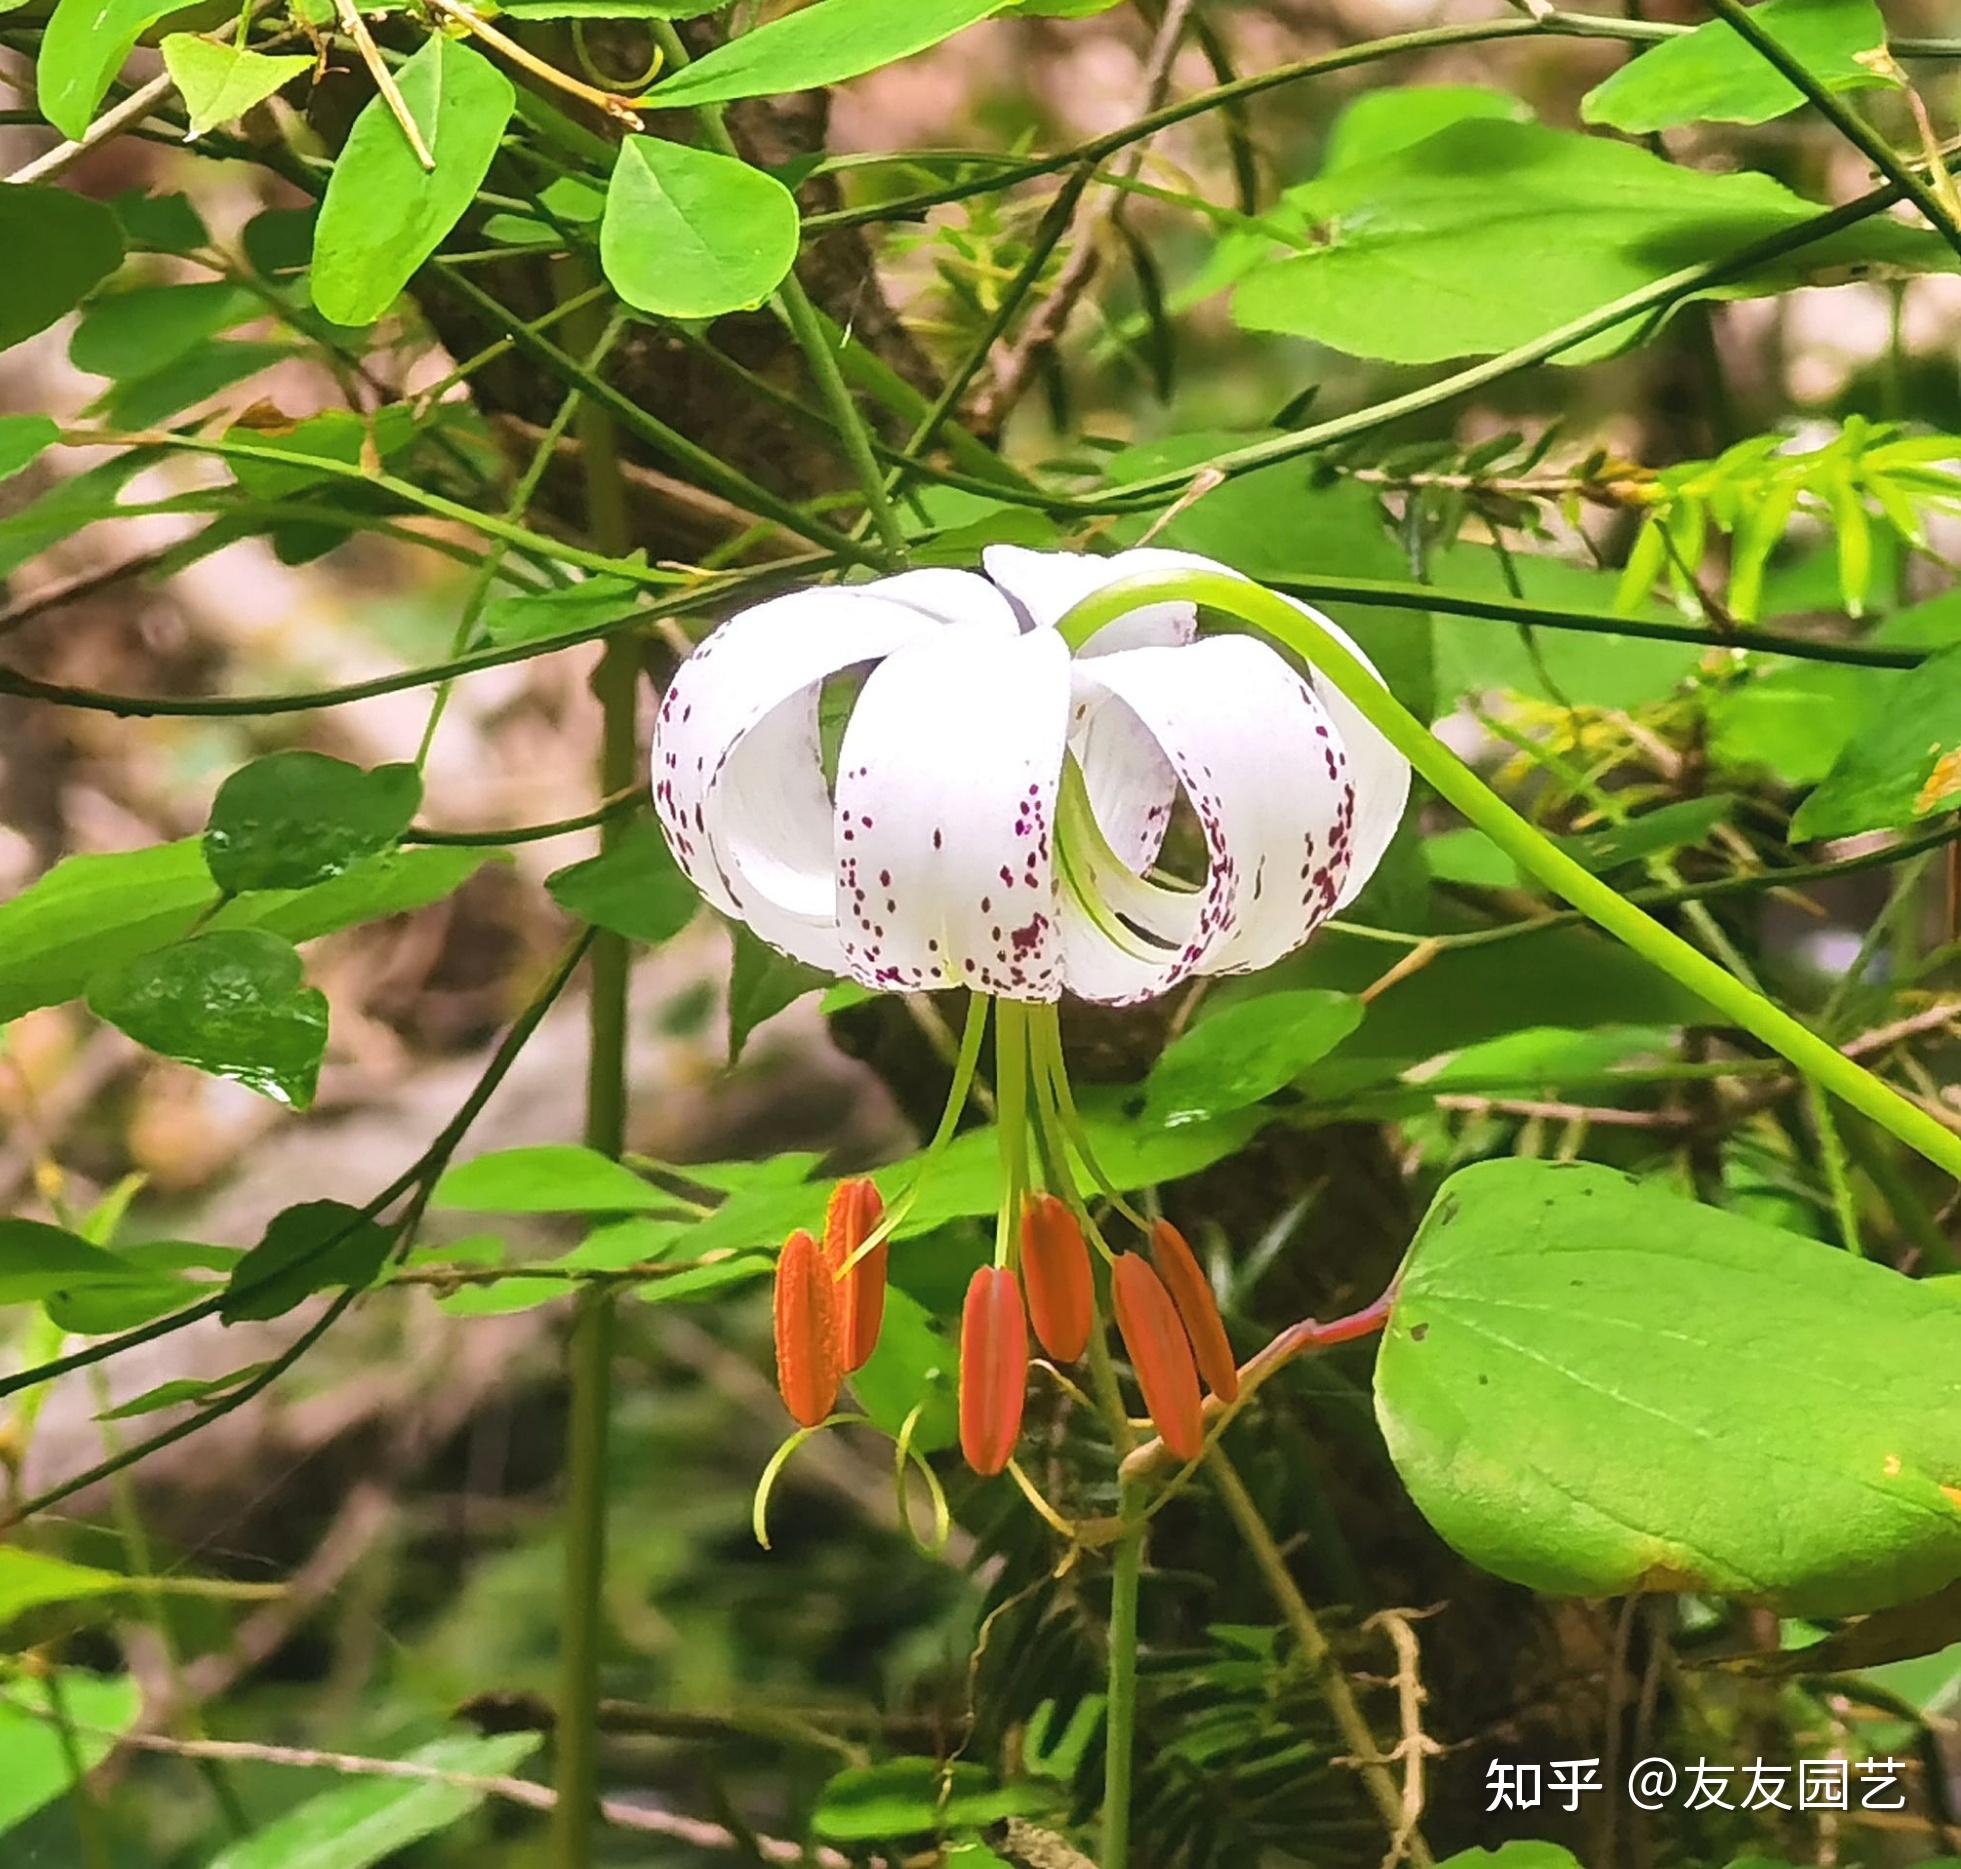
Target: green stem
1849, 124
1302, 633
1010, 1119
589, 1350
1120, 1744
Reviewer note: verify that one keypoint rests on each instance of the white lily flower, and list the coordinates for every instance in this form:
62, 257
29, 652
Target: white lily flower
998, 803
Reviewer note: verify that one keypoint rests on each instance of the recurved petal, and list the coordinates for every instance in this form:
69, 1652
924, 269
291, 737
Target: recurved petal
945, 801
762, 670
1045, 585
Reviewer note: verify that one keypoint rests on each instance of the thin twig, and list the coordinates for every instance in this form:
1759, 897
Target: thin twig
356, 29
137, 105
615, 106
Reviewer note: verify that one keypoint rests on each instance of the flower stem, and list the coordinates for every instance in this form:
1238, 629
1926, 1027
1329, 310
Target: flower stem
589, 1348
1120, 1744
1308, 638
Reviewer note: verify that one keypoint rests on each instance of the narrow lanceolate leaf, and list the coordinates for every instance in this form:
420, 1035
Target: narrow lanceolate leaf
384, 214
231, 1002
83, 48
1191, 1291
1714, 75
76, 244
1160, 1353
859, 1281
807, 1373
1055, 1268
219, 82
1593, 1387
294, 819
818, 45
688, 233
993, 1369
1903, 767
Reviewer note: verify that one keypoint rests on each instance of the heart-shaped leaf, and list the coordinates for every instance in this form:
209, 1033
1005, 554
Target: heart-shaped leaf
220, 82
294, 819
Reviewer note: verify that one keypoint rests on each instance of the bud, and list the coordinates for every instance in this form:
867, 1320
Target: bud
1191, 1292
807, 1371
993, 1369
854, 1210
1055, 1268
1160, 1354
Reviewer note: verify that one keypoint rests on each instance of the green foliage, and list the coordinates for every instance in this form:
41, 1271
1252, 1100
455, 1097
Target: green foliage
1713, 75
1904, 767
82, 50
383, 213
1491, 233
40, 1767
1721, 1454
23, 440
306, 1249
29, 1579
918, 1797
634, 887
365, 1821
1246, 1052
134, 332
221, 82
294, 819
817, 45
233, 1002
76, 245
547, 1178
692, 234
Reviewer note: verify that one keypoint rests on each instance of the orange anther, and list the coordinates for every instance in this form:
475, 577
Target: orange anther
993, 1369
1160, 1354
854, 1210
1191, 1292
807, 1370
1055, 1268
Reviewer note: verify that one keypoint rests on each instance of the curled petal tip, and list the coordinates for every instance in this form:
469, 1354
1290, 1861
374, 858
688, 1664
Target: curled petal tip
855, 1209
807, 1372
993, 1369
1191, 1292
1160, 1353
1055, 1268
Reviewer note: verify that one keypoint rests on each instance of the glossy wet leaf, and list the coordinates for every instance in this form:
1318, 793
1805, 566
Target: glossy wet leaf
294, 819
547, 1178
313, 1247
1592, 1387
817, 45
1491, 233
689, 233
220, 82
1247, 1052
1901, 767
83, 48
1714, 75
383, 214
231, 1002
635, 888
365, 1821
76, 244
39, 1766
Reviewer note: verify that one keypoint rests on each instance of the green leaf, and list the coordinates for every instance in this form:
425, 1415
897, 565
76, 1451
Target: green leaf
691, 234
39, 1769
610, 9
336, 435
231, 1002
707, 1280
30, 1578
83, 48
181, 1391
1905, 766
818, 45
635, 888
76, 244
384, 214
1514, 1856
306, 1249
23, 440
548, 1178
538, 616
130, 333
146, 401
915, 1363
1714, 74
220, 82
918, 1797
1490, 234
162, 223
1379, 123
1247, 1052
393, 883
367, 1821
1649, 833
294, 819
37, 1260
1595, 1388
763, 982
